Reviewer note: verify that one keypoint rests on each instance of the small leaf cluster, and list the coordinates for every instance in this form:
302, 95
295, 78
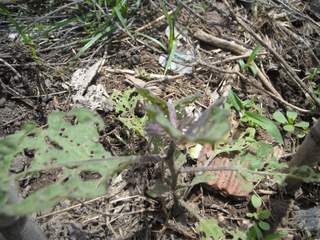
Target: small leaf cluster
250, 114
260, 225
290, 124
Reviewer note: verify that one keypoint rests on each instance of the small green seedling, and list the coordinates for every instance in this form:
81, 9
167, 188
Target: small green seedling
252, 115
259, 216
250, 61
260, 225
290, 124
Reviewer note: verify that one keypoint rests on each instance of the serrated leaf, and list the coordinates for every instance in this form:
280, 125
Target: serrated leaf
279, 117
288, 128
266, 124
256, 201
210, 229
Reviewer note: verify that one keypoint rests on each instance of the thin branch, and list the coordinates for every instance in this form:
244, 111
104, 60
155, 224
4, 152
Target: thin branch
284, 63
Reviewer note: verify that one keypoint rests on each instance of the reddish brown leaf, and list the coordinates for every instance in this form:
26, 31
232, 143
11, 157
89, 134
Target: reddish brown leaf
230, 182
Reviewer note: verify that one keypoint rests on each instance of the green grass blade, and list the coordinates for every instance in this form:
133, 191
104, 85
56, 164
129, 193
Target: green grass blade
157, 42
88, 45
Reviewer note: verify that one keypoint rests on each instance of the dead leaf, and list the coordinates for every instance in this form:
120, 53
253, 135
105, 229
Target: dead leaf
230, 182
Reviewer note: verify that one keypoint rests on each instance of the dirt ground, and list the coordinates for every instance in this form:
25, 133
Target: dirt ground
30, 90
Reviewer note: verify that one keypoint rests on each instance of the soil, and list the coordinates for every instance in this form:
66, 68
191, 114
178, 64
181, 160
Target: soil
31, 89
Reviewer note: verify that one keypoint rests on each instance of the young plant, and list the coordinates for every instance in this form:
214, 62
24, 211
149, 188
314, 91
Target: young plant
252, 115
171, 19
259, 224
290, 124
250, 61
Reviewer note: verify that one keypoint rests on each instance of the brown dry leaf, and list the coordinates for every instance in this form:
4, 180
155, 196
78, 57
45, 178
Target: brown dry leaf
230, 182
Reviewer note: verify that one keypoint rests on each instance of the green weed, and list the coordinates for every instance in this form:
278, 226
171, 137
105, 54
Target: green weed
290, 124
171, 19
252, 115
250, 61
259, 223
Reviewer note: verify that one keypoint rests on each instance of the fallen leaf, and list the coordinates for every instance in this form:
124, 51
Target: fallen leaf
230, 182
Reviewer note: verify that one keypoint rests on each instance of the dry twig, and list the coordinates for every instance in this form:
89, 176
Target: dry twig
283, 62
